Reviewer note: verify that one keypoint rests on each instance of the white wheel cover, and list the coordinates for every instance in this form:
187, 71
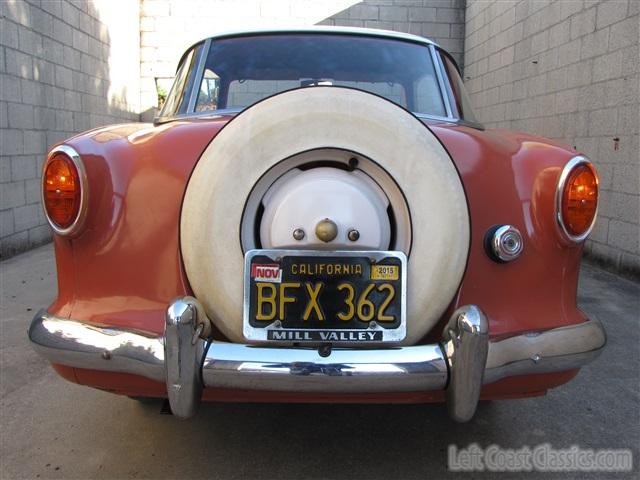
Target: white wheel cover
318, 117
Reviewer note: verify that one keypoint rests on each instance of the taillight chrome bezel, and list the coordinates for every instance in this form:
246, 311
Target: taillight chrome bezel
74, 156
564, 176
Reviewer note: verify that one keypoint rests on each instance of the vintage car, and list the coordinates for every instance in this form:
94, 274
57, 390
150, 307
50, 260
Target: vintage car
317, 216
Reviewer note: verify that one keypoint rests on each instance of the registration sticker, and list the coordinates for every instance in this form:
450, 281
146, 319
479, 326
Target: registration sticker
385, 272
266, 272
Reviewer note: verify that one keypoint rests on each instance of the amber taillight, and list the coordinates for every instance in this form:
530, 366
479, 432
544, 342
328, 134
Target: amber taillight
62, 190
578, 199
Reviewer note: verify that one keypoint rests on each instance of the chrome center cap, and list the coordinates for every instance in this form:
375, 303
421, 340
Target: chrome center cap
326, 230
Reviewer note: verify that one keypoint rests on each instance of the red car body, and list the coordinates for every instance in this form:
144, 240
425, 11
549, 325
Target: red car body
125, 266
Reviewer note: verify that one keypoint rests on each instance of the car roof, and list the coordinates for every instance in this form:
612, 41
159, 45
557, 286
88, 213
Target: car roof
370, 32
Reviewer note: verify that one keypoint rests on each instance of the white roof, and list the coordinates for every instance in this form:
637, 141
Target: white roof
372, 32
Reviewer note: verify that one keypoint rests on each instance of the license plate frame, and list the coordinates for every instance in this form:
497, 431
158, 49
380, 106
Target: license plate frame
355, 330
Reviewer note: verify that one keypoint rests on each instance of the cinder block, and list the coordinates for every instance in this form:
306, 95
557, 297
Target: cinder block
30, 42
624, 33
393, 14
53, 51
622, 91
64, 78
587, 145
23, 167
579, 74
71, 58
591, 97
422, 14
628, 121
80, 41
595, 44
80, 121
20, 115
43, 71
625, 206
64, 120
5, 169
603, 122
70, 13
567, 101
9, 34
630, 63
583, 23
18, 63
42, 21
10, 88
569, 8
624, 235
557, 80
611, 12
34, 143
435, 30
457, 30
363, 11
54, 8
33, 188
449, 15
559, 34
54, 137
33, 92
607, 66
12, 195
26, 217
627, 178
6, 223
4, 115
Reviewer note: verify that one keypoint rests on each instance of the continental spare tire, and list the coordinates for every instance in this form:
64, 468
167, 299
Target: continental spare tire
308, 123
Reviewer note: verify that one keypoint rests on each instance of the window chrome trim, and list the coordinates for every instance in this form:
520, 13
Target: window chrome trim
198, 74
74, 156
440, 75
564, 175
234, 111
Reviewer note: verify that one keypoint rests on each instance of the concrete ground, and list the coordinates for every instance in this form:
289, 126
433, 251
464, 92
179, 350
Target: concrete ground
54, 429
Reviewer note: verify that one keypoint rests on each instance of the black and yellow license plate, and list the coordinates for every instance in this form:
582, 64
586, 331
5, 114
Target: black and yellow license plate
298, 296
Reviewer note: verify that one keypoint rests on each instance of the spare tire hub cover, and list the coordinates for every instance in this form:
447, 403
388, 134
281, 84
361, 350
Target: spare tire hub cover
305, 199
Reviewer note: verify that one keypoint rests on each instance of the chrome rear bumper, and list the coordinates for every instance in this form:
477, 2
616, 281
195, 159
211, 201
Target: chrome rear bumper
461, 363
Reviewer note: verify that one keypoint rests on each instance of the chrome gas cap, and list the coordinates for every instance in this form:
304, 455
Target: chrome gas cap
329, 204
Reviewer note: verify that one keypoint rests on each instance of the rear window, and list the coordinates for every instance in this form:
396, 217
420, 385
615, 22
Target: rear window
241, 71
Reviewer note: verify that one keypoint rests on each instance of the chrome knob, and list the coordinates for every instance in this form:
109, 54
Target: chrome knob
326, 230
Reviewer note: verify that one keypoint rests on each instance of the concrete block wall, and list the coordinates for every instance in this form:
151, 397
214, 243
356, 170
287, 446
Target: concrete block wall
56, 79
439, 20
169, 27
567, 70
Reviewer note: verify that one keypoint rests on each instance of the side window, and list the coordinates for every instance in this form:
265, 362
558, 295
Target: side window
209, 92
427, 96
177, 100
462, 101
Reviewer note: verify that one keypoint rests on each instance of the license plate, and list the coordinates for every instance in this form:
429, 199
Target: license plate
302, 296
